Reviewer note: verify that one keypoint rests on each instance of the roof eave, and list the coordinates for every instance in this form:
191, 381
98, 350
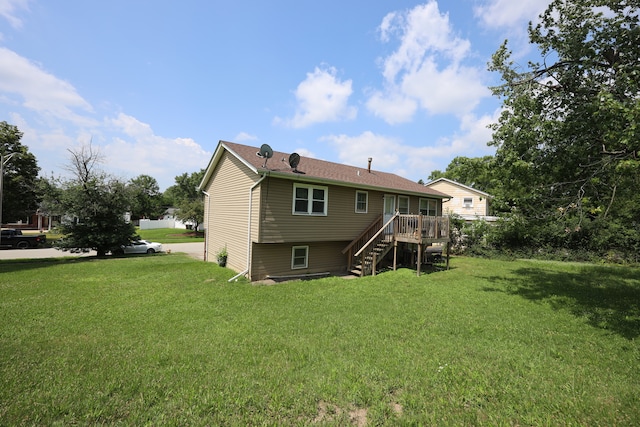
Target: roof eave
217, 155
317, 180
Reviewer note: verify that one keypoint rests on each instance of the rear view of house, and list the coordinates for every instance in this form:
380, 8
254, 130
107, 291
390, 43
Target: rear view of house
277, 215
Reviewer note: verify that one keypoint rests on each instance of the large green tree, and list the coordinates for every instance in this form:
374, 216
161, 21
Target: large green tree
19, 190
94, 204
568, 139
186, 197
146, 199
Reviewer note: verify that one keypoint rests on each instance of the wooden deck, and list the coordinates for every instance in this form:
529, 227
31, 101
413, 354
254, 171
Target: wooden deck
378, 239
421, 229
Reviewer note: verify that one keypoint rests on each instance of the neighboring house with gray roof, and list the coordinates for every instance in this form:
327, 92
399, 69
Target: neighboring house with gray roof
319, 217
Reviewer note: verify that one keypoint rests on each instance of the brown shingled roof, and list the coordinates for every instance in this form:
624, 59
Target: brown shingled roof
315, 170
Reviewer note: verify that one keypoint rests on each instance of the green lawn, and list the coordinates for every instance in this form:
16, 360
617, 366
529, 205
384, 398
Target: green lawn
166, 340
161, 235
171, 235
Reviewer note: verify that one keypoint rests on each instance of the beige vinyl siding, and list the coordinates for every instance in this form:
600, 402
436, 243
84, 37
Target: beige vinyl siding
458, 194
279, 224
228, 211
274, 259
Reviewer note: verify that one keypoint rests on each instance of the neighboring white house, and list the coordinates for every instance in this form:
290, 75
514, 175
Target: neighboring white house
168, 220
469, 203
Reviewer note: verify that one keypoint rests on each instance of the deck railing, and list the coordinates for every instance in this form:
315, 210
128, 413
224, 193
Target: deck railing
421, 227
405, 228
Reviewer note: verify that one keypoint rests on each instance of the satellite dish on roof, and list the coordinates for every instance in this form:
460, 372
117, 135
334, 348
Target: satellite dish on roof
265, 152
294, 160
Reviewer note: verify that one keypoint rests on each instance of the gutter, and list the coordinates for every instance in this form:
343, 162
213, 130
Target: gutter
249, 229
204, 256
326, 181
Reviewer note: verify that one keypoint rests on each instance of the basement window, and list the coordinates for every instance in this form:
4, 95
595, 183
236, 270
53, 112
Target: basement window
299, 257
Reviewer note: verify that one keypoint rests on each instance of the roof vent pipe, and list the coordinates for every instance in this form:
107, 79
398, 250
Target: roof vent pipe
369, 166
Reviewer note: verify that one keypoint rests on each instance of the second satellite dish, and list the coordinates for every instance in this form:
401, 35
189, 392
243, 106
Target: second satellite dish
294, 160
265, 152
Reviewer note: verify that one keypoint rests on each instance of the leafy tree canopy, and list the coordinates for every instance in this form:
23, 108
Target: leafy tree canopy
568, 139
146, 199
19, 190
186, 197
185, 188
94, 204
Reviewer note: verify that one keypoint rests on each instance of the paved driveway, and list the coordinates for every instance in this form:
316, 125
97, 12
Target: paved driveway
196, 250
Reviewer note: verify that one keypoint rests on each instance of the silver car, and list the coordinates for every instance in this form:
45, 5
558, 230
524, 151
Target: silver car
142, 247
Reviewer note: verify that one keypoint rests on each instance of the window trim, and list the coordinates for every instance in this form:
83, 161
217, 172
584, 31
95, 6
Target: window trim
293, 257
428, 201
366, 202
465, 204
310, 199
408, 199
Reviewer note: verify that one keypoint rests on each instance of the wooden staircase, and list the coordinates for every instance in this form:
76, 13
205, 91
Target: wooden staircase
366, 251
368, 262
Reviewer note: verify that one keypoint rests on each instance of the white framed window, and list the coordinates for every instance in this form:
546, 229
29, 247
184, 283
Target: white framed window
467, 202
299, 257
310, 199
362, 202
428, 207
403, 204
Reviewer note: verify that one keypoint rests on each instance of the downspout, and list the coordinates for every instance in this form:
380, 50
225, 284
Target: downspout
204, 256
249, 230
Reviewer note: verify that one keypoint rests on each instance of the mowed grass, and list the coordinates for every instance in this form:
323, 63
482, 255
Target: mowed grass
166, 340
171, 235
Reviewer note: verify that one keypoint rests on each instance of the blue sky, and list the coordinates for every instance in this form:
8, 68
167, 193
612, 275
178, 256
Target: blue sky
155, 84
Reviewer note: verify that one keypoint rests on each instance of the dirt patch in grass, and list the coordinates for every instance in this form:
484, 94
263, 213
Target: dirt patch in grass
330, 413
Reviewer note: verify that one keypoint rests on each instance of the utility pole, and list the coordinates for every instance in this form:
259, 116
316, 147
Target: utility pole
3, 161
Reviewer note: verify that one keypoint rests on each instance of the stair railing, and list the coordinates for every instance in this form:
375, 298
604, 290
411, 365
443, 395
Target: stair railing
366, 249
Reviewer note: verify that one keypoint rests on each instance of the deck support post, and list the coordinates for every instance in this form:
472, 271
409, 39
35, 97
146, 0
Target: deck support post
373, 266
448, 244
419, 256
395, 254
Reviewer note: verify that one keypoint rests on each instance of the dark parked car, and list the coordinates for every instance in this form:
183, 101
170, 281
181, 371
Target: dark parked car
13, 238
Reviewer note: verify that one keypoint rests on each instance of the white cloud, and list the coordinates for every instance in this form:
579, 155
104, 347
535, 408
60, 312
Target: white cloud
454, 89
355, 150
244, 137
9, 8
423, 31
40, 91
321, 97
510, 14
141, 151
392, 105
416, 162
426, 69
470, 141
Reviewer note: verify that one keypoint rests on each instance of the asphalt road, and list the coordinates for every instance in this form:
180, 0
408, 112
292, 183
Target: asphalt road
195, 250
